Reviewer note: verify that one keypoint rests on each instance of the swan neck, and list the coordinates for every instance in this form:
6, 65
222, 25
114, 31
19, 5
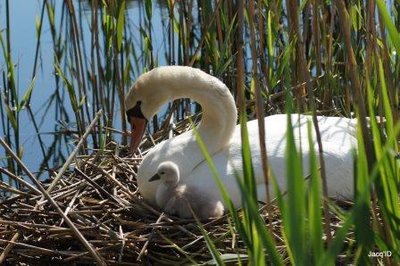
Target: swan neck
218, 108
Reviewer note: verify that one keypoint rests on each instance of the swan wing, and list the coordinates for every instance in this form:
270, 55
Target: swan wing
338, 141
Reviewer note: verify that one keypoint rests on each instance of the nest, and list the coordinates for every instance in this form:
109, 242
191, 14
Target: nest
109, 222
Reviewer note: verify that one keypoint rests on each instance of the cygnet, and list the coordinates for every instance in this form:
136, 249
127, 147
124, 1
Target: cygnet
179, 199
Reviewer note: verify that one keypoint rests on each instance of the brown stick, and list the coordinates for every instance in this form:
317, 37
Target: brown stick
46, 194
8, 247
20, 180
7, 187
203, 38
144, 248
74, 152
102, 190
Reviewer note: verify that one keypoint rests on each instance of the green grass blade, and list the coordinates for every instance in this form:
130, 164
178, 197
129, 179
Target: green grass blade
361, 210
211, 246
337, 243
26, 98
120, 23
249, 180
387, 18
314, 202
294, 223
11, 117
70, 88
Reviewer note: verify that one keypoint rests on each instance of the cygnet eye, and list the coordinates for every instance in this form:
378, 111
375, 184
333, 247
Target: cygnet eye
162, 172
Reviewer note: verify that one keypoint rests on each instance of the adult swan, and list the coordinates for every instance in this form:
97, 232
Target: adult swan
221, 135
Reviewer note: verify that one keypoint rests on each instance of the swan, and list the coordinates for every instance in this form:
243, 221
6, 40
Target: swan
180, 199
221, 136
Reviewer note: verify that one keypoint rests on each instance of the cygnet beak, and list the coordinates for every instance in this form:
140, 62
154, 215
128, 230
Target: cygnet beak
154, 178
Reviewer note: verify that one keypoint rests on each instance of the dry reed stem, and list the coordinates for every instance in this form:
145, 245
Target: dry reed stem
345, 25
71, 157
204, 35
259, 103
8, 188
19, 180
46, 194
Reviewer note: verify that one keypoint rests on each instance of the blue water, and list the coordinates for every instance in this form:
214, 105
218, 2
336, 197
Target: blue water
23, 45
24, 14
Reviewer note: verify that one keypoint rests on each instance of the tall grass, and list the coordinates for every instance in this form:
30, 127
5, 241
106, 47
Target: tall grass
327, 58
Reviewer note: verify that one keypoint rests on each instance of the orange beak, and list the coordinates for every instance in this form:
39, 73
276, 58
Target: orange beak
138, 127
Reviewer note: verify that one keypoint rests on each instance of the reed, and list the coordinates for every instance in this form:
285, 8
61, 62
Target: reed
318, 57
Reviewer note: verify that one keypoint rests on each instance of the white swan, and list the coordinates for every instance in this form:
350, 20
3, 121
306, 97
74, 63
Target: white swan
180, 199
222, 137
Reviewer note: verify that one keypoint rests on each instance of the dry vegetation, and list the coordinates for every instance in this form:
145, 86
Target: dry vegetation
327, 57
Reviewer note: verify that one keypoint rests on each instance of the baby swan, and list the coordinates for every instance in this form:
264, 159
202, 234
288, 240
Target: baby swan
180, 199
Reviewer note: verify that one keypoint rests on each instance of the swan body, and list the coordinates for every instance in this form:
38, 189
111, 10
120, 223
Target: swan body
181, 199
221, 136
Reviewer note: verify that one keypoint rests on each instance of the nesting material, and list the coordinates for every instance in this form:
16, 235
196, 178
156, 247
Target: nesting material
99, 195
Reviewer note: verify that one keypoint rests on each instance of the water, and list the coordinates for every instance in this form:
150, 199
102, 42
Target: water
23, 17
23, 45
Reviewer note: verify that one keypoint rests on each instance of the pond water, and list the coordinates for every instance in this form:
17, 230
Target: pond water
24, 16
23, 46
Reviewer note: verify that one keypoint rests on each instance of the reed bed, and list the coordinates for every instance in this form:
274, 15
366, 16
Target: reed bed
316, 57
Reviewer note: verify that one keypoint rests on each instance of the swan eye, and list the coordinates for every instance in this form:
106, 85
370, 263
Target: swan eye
135, 111
161, 173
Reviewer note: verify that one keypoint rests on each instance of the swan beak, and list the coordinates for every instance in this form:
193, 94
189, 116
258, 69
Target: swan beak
138, 127
154, 178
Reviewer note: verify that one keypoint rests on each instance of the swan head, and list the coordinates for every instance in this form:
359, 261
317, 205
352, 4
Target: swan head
167, 172
143, 101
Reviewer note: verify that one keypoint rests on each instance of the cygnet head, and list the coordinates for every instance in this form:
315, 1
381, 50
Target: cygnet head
167, 172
